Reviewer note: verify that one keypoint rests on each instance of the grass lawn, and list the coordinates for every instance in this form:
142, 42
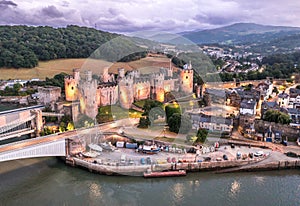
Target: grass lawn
140, 103
114, 112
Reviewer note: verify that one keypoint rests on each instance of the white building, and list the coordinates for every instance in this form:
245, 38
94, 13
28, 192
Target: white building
248, 107
212, 123
283, 99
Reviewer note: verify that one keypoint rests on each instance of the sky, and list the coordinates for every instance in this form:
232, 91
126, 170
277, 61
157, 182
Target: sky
125, 16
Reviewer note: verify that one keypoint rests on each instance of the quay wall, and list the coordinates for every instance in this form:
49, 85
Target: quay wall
276, 165
118, 169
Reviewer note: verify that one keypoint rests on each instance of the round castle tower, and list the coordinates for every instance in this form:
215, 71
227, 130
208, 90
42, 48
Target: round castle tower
126, 92
186, 79
71, 86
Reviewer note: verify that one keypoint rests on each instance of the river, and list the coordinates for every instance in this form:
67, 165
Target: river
48, 181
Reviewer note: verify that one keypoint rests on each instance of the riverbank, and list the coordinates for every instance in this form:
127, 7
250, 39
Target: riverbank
110, 163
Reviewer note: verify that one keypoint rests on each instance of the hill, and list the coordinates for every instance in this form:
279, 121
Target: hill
241, 33
24, 46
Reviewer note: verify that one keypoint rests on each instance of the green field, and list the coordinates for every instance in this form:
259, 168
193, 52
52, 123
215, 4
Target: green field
53, 67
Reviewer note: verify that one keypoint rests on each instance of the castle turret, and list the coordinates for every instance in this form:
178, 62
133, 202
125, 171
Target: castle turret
186, 79
157, 86
121, 72
71, 86
126, 97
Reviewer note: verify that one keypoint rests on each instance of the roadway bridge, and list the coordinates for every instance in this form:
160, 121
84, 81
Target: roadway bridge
27, 149
18, 122
54, 145
23, 121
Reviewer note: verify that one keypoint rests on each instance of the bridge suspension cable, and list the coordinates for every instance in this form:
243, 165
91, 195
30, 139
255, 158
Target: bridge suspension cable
15, 123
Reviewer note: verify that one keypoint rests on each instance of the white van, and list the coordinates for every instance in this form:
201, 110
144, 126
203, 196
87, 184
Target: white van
123, 159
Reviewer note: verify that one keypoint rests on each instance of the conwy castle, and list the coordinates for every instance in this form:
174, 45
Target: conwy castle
125, 88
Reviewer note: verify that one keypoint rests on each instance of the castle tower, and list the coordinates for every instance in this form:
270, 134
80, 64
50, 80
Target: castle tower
121, 72
157, 87
88, 95
126, 92
105, 76
186, 79
71, 86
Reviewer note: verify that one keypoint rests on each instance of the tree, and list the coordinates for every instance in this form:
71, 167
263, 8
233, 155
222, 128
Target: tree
70, 126
144, 122
277, 117
62, 127
201, 135
275, 90
179, 123
172, 109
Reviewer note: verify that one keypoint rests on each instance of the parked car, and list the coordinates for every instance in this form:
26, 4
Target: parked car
238, 155
143, 161
219, 159
225, 157
291, 154
258, 153
148, 160
207, 159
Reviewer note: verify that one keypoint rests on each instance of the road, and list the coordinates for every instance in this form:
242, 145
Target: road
64, 135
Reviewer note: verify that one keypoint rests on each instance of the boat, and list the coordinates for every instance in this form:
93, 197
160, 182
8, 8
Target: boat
90, 154
176, 173
95, 147
149, 149
107, 146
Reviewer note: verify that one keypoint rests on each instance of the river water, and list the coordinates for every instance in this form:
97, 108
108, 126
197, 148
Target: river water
49, 181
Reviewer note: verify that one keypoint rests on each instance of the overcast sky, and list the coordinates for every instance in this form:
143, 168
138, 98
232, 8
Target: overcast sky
123, 16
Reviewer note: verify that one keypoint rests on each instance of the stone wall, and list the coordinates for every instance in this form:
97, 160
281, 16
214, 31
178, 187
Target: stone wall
288, 131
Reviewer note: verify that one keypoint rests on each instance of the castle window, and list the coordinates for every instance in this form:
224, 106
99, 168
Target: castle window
72, 88
186, 77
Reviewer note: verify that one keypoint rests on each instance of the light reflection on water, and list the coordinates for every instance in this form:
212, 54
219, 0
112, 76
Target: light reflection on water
57, 184
235, 188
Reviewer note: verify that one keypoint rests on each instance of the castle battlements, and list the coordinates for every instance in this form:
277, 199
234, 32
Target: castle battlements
127, 88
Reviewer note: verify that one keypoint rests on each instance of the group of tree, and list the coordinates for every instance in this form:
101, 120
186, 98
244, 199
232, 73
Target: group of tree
15, 90
24, 46
152, 110
57, 80
278, 66
277, 117
134, 56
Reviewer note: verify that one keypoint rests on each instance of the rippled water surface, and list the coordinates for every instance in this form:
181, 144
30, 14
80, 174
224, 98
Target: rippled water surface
50, 182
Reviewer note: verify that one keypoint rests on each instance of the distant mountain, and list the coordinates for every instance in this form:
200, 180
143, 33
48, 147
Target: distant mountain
241, 33
286, 44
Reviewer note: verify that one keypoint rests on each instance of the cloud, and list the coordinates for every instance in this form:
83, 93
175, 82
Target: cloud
5, 4
158, 15
52, 11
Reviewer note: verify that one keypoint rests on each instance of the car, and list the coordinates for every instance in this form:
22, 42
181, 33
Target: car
148, 160
225, 157
207, 159
143, 161
291, 154
258, 153
238, 155
219, 159
232, 146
